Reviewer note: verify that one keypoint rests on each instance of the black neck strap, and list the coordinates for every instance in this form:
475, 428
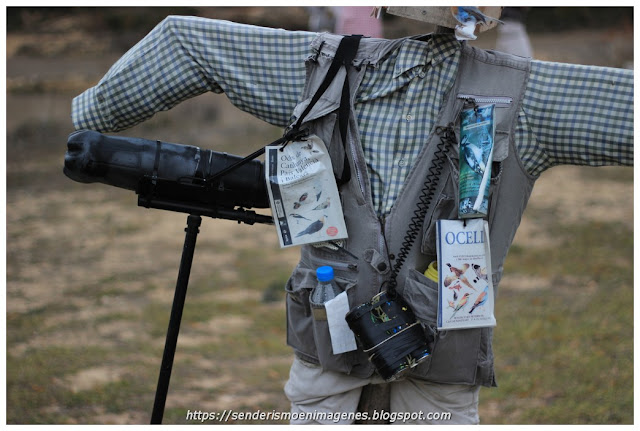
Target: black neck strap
345, 54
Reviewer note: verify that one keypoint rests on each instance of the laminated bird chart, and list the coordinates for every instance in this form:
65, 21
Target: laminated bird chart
303, 193
465, 285
477, 131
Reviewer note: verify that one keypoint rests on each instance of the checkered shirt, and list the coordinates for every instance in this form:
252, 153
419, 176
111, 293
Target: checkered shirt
571, 114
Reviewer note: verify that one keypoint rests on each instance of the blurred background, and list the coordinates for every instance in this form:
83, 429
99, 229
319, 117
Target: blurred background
91, 276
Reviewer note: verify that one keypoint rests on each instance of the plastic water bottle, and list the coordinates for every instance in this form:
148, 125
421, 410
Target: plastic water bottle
325, 290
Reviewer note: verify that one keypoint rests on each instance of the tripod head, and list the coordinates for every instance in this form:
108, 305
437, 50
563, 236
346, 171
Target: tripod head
170, 176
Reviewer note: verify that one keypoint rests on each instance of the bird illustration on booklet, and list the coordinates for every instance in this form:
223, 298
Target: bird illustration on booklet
297, 175
298, 216
312, 228
323, 205
481, 299
457, 277
465, 287
460, 305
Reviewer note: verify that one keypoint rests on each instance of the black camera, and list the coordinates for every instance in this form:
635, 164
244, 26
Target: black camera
388, 331
170, 176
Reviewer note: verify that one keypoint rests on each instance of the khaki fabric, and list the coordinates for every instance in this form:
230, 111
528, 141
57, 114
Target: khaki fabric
327, 397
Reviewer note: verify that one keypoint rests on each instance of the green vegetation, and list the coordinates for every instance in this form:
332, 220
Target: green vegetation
564, 351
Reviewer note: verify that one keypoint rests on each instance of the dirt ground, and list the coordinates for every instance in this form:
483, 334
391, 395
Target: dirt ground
87, 266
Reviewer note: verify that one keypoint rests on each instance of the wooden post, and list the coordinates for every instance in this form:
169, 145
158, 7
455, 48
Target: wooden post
374, 398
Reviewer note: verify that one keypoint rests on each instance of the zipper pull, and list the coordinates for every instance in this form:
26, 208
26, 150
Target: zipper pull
471, 103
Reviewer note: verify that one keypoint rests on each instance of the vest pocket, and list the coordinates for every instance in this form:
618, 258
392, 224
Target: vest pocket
422, 294
456, 355
308, 336
445, 208
299, 319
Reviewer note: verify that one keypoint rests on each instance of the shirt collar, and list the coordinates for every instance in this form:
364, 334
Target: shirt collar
435, 50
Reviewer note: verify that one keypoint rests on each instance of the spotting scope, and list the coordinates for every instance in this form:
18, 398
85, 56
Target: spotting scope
171, 176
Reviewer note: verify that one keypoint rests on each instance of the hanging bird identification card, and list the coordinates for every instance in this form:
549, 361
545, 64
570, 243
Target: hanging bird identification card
477, 132
303, 193
465, 286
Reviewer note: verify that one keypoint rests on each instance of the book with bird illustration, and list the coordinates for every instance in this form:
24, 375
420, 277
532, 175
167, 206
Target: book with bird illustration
305, 203
465, 286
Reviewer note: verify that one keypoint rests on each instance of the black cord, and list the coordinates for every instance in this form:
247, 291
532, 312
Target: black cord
447, 136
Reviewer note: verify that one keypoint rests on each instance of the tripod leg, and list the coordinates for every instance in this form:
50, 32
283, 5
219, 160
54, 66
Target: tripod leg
192, 229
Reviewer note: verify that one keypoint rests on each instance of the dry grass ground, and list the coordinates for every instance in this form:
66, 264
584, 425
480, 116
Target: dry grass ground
90, 276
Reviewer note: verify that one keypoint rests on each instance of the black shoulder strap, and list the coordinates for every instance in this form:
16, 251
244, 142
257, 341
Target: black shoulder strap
345, 54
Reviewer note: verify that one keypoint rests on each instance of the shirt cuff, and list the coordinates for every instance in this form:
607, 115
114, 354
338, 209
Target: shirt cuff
87, 109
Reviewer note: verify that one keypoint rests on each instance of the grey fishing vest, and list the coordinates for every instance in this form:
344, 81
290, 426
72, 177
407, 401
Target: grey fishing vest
458, 356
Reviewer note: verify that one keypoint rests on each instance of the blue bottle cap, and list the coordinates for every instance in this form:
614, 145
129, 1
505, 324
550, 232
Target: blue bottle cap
324, 273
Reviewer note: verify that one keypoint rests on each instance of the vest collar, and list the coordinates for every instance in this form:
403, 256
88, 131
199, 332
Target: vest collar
438, 47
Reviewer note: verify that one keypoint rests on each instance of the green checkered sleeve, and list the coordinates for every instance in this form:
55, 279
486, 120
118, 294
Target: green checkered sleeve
261, 70
577, 115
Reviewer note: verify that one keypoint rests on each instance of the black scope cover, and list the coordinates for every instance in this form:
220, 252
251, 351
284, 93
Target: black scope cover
175, 172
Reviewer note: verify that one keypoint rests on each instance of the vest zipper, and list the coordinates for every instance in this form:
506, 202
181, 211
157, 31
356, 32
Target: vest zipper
498, 100
355, 164
344, 266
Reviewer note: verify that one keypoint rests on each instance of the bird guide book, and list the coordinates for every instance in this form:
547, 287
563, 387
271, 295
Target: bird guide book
303, 193
465, 287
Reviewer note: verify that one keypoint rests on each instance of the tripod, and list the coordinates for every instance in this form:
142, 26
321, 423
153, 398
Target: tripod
193, 228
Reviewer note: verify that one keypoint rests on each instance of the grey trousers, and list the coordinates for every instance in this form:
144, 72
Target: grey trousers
325, 397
